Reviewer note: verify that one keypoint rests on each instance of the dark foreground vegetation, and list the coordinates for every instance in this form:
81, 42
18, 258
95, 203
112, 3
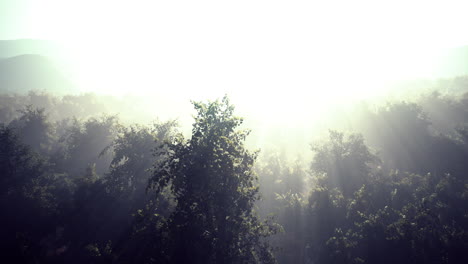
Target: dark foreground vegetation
88, 189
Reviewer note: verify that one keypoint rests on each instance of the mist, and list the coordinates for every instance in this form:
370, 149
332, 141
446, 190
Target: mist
247, 132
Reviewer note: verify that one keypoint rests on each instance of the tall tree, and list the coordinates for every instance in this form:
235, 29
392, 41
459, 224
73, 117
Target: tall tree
34, 129
211, 178
346, 162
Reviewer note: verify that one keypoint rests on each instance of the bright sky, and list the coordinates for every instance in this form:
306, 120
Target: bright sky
276, 50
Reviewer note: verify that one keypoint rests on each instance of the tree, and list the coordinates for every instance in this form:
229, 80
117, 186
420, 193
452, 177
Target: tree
345, 162
361, 215
25, 194
402, 133
34, 129
84, 143
214, 186
133, 148
126, 182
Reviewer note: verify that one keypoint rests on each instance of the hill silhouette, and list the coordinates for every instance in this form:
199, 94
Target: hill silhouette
16, 47
23, 73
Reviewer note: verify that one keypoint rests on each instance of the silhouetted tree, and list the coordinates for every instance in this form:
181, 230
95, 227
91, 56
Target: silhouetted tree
343, 163
34, 129
211, 178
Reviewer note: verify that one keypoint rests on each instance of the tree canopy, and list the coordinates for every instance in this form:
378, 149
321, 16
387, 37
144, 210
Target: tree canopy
215, 189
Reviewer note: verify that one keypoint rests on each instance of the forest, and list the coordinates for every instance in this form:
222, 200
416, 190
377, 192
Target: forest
388, 184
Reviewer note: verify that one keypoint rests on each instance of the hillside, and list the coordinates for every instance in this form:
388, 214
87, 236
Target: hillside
23, 73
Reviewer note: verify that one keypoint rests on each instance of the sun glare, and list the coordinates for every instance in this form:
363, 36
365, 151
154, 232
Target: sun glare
286, 56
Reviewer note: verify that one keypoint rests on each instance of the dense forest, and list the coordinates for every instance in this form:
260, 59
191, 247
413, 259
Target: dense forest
387, 184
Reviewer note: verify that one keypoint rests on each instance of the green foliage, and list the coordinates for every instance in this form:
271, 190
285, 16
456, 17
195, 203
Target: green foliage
96, 191
83, 143
345, 162
34, 129
25, 191
133, 156
214, 186
396, 218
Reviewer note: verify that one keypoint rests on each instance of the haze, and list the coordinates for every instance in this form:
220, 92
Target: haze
122, 138
248, 49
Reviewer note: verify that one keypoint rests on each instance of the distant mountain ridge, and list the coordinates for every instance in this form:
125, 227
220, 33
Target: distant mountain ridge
11, 48
36, 64
24, 73
31, 64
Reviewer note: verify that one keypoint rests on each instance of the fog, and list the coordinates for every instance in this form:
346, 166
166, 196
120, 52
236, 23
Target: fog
80, 165
247, 132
